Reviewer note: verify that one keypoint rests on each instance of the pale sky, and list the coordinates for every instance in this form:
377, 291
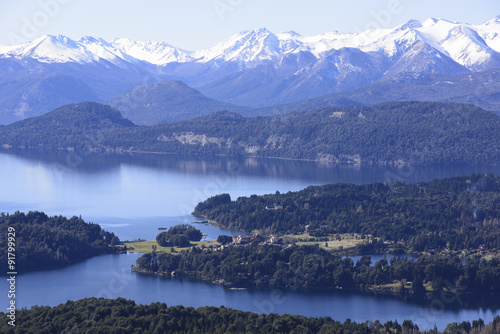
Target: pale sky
197, 24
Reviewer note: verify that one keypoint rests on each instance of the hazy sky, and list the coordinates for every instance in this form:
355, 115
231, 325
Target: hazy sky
196, 24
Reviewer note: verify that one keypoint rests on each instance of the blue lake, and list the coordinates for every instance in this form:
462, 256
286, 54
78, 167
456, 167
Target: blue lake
133, 195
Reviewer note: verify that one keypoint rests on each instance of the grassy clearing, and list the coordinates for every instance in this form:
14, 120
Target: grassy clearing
394, 286
334, 244
346, 240
147, 246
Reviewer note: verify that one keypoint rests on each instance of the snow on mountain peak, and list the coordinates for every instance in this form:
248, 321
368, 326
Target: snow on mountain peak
59, 40
490, 33
261, 31
53, 49
157, 53
62, 49
244, 47
469, 45
261, 44
468, 48
411, 24
433, 21
430, 21
495, 20
88, 39
289, 34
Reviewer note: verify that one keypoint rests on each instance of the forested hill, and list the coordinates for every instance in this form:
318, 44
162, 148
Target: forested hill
70, 126
416, 133
92, 315
42, 242
457, 213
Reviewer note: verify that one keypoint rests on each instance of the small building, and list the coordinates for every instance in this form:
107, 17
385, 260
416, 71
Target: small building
241, 240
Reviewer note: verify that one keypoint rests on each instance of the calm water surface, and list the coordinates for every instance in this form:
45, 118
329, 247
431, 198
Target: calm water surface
110, 277
134, 195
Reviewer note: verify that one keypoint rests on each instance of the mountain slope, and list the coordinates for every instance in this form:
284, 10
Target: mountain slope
30, 87
255, 68
299, 76
481, 89
167, 101
490, 32
245, 48
415, 133
23, 95
73, 125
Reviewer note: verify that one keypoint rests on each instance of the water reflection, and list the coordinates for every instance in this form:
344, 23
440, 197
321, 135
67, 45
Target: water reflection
315, 172
134, 194
110, 277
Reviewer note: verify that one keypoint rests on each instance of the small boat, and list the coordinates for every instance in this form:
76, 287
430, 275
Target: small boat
162, 228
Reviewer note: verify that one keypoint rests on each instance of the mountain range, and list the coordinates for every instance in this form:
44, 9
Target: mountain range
253, 68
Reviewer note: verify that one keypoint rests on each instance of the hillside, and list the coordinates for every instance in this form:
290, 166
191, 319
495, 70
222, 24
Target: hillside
393, 133
73, 125
165, 102
419, 133
481, 89
24, 95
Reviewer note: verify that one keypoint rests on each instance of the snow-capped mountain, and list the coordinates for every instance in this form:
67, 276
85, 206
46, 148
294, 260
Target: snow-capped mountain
53, 49
157, 53
490, 33
472, 46
245, 47
61, 49
253, 68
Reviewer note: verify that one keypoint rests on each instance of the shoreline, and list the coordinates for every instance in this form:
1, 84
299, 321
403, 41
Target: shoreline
115, 151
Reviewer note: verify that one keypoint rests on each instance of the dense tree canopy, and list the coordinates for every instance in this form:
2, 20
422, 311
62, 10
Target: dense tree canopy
417, 133
309, 266
456, 213
92, 315
179, 236
42, 242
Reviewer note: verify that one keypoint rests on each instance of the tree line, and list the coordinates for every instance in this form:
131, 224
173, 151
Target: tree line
311, 266
93, 315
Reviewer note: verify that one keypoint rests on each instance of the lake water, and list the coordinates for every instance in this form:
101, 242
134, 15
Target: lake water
133, 195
